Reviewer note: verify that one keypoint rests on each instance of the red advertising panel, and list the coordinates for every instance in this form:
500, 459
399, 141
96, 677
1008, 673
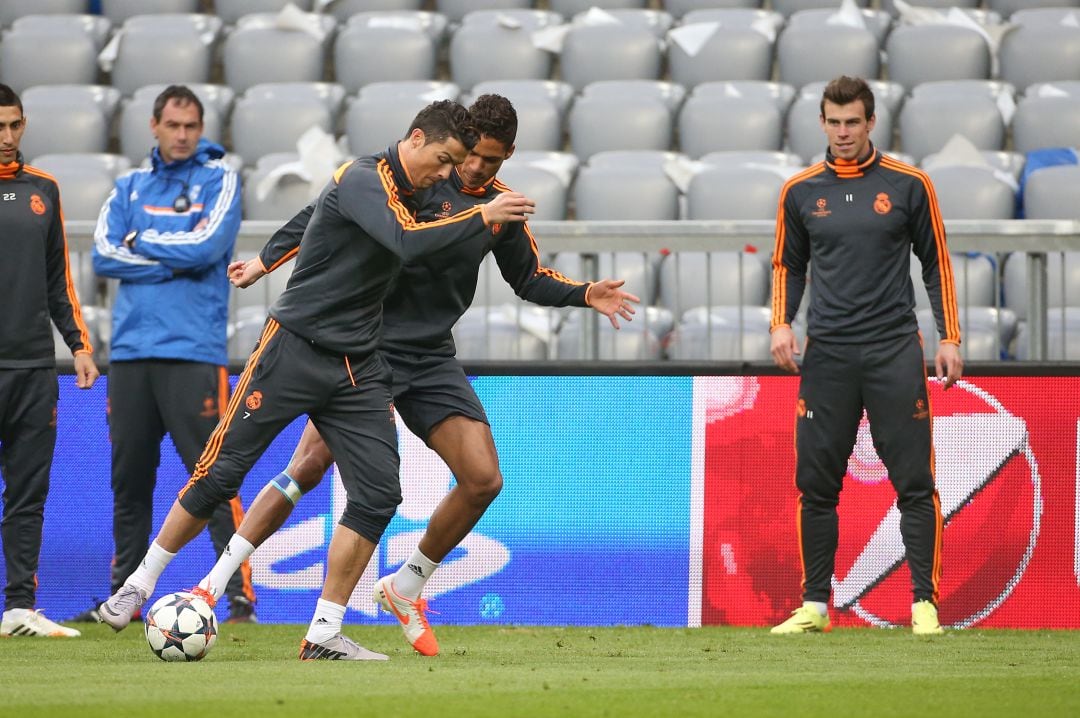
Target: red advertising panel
1006, 470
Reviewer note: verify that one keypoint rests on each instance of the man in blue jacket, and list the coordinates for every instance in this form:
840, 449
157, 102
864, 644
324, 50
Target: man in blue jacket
167, 232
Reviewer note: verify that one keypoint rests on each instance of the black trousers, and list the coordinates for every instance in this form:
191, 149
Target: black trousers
888, 379
146, 400
348, 401
27, 438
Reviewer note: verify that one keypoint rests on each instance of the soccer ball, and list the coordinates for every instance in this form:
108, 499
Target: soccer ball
181, 627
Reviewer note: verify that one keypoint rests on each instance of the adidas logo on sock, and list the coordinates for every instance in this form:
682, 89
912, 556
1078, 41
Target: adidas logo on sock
321, 620
416, 569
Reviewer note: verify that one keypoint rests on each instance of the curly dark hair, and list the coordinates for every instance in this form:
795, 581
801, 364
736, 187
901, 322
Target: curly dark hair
445, 119
844, 90
495, 117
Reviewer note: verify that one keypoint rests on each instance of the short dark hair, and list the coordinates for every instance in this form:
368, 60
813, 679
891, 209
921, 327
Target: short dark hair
495, 117
9, 98
443, 120
182, 94
844, 90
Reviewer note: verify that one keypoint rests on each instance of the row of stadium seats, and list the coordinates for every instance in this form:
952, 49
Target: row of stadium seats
1037, 45
606, 115
230, 11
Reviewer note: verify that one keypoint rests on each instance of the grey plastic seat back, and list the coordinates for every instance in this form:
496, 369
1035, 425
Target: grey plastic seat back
689, 279
680, 8
734, 192
82, 190
808, 54
544, 187
363, 55
262, 123
669, 93
787, 8
11, 10
629, 123
29, 58
254, 54
74, 124
456, 10
161, 52
928, 122
629, 192
1052, 192
480, 52
878, 22
284, 198
120, 10
232, 10
711, 124
969, 192
1036, 52
609, 52
781, 94
95, 26
1046, 122
728, 54
925, 53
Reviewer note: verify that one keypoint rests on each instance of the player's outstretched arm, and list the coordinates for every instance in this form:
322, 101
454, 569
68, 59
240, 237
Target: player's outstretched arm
607, 297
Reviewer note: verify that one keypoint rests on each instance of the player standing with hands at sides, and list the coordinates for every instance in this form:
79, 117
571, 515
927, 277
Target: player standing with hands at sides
35, 286
856, 217
167, 232
430, 388
317, 355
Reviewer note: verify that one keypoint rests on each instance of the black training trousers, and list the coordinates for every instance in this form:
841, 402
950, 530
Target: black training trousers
27, 439
888, 378
148, 398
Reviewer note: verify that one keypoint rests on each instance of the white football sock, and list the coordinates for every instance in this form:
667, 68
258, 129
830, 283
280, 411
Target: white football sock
146, 576
326, 623
236, 552
410, 578
821, 607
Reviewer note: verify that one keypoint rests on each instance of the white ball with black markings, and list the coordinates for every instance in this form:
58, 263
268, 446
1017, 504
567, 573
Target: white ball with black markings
181, 627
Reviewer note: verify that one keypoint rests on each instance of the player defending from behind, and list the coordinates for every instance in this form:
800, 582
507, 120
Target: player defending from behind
431, 390
317, 354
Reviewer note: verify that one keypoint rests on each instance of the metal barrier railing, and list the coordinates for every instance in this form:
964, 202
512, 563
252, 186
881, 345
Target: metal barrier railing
1035, 238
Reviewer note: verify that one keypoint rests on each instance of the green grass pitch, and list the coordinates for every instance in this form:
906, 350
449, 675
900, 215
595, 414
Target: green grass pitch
506, 672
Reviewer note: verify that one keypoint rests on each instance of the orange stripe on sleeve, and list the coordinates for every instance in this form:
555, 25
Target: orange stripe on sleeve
945, 273
213, 444
69, 284
780, 272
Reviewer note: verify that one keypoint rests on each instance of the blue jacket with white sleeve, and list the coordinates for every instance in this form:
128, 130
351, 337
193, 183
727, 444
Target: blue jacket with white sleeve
167, 232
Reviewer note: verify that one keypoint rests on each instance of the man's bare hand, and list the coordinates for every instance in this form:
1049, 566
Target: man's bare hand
607, 298
783, 348
508, 207
948, 363
244, 274
86, 371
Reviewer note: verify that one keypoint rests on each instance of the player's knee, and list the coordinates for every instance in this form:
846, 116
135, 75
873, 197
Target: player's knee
481, 487
369, 524
308, 470
200, 498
